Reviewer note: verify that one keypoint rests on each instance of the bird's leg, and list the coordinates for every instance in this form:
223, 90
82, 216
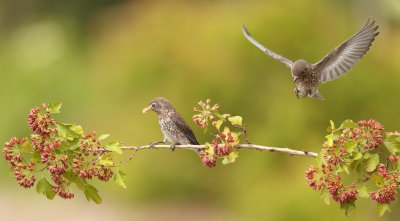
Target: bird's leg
173, 146
152, 144
296, 91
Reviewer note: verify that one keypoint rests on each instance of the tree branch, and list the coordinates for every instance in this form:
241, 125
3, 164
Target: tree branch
249, 146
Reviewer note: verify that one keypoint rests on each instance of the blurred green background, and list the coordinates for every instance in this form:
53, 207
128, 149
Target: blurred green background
105, 60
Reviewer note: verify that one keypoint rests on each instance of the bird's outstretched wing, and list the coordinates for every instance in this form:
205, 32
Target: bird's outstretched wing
280, 58
181, 124
344, 57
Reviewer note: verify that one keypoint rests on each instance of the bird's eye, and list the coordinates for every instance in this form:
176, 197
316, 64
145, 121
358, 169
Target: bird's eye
153, 104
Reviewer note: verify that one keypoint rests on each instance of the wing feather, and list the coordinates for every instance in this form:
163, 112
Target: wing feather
278, 57
346, 55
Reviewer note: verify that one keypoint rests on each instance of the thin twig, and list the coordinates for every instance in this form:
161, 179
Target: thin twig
248, 146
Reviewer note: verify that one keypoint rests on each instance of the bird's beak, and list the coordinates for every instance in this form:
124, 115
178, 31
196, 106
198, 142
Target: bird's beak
146, 109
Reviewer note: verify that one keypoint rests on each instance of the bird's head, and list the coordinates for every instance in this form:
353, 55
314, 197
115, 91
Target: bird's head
299, 67
158, 105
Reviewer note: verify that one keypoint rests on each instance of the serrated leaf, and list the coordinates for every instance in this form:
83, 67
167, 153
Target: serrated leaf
220, 116
210, 149
372, 162
345, 168
45, 188
103, 137
36, 157
65, 132
332, 125
55, 107
71, 176
330, 138
114, 146
91, 194
347, 207
230, 158
363, 191
218, 123
378, 180
325, 197
76, 128
119, 178
383, 208
106, 161
27, 147
236, 120
392, 143
350, 146
357, 155
348, 124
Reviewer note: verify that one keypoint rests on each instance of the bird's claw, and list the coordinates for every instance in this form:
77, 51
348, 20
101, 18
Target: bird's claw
296, 91
172, 146
153, 144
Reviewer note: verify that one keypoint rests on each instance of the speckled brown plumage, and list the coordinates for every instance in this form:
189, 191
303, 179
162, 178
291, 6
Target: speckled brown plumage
173, 126
307, 76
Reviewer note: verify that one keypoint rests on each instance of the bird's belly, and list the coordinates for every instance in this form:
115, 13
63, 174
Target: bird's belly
172, 133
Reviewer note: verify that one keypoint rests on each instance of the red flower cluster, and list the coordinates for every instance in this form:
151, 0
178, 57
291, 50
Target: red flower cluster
388, 192
371, 131
201, 119
331, 182
22, 172
40, 124
225, 148
340, 193
207, 159
85, 168
385, 195
46, 142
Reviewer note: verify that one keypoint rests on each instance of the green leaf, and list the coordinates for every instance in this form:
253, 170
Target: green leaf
378, 180
114, 146
106, 160
65, 132
345, 168
332, 125
357, 155
26, 147
350, 146
55, 107
363, 191
372, 162
236, 120
36, 157
71, 176
392, 143
45, 188
347, 207
119, 178
219, 123
210, 149
383, 208
230, 158
76, 128
103, 137
325, 196
348, 124
91, 194
330, 138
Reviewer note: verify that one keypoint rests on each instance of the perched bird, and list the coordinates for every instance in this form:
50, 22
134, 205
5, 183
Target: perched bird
173, 126
306, 76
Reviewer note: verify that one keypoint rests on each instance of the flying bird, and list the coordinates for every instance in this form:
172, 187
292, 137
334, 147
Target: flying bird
173, 126
307, 76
